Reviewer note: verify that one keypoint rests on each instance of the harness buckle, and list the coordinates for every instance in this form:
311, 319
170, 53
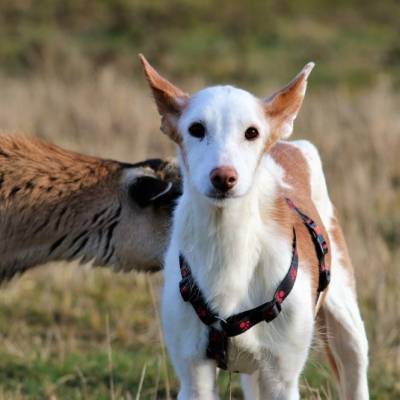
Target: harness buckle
217, 348
273, 311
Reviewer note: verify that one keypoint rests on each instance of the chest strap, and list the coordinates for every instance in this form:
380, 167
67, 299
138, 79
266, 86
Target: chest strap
321, 247
236, 324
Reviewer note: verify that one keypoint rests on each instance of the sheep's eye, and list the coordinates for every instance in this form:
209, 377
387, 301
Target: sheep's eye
197, 130
251, 133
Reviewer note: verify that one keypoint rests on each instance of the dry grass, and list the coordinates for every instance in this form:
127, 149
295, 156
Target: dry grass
69, 333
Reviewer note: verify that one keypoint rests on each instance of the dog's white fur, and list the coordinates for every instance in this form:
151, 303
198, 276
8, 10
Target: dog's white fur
238, 254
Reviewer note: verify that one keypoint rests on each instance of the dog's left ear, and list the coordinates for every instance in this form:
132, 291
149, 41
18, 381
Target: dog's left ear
170, 100
283, 106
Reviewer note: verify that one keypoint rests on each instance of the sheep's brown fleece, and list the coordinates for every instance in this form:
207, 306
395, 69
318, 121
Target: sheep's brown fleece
60, 205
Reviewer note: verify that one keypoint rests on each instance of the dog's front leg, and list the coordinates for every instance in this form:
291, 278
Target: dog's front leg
273, 386
270, 384
197, 375
197, 380
251, 385
279, 377
186, 339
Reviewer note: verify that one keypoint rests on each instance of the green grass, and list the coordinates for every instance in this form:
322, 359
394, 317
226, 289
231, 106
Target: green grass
84, 375
57, 345
55, 341
76, 334
353, 42
65, 350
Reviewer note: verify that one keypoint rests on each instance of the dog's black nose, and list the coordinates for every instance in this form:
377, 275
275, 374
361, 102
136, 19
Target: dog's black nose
223, 178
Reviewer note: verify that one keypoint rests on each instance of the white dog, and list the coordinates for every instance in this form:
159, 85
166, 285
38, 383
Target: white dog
253, 241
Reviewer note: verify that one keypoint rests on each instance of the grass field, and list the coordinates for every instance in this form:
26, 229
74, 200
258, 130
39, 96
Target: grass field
68, 74
355, 42
75, 333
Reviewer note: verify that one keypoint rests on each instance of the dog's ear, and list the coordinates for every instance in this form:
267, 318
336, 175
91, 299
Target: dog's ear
283, 106
169, 99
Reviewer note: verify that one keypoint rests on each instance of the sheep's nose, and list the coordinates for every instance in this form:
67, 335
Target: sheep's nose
223, 178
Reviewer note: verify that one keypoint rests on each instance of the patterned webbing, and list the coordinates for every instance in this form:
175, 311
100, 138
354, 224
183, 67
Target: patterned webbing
320, 244
236, 324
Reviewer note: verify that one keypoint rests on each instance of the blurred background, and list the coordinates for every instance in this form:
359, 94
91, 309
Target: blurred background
69, 74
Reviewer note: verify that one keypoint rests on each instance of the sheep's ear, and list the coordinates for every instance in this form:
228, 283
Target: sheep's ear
170, 100
148, 190
283, 106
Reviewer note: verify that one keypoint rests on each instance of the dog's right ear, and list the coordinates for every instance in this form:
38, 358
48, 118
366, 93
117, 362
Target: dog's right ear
169, 99
283, 106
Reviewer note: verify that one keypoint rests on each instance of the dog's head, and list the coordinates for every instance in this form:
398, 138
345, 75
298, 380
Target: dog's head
223, 132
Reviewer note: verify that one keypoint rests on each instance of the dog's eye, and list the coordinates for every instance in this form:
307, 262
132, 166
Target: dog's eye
197, 130
251, 133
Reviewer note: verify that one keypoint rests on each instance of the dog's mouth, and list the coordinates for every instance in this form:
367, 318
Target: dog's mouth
220, 196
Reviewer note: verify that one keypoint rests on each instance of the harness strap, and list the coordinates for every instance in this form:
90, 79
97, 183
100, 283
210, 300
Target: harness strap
236, 324
320, 245
239, 323
191, 292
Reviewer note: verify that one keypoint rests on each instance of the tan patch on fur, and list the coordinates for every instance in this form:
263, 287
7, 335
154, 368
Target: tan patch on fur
297, 175
272, 139
169, 127
338, 238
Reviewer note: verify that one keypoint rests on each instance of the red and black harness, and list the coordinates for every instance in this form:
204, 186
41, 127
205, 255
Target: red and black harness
236, 324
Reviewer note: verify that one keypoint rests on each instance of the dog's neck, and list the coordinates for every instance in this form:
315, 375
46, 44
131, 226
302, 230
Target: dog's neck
223, 244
